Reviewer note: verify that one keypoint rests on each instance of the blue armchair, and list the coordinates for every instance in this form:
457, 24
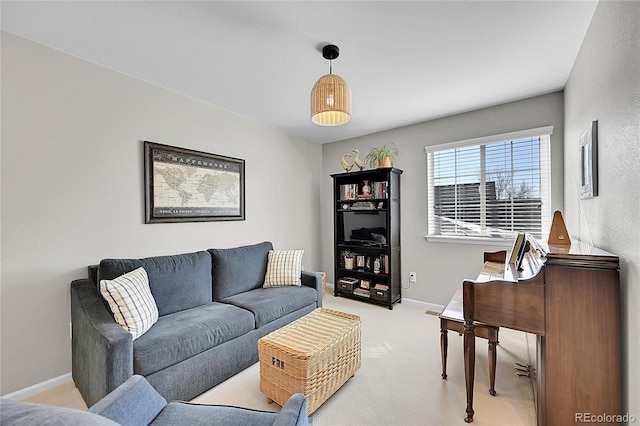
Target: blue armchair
136, 403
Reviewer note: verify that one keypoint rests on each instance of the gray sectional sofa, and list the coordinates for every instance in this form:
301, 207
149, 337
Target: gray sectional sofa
212, 311
135, 402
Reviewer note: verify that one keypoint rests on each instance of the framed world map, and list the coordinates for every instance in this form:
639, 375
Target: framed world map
183, 185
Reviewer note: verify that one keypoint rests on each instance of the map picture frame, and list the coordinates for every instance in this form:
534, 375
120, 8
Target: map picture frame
184, 185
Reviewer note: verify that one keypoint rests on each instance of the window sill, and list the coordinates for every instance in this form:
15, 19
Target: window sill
471, 240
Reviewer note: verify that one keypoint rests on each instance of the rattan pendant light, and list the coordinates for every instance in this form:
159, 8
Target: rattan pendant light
330, 96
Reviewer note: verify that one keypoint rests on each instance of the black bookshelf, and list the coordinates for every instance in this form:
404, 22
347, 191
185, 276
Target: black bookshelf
367, 227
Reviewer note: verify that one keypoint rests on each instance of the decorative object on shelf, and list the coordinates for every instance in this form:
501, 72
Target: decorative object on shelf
379, 238
382, 156
366, 190
348, 260
365, 284
589, 161
376, 266
330, 96
183, 185
348, 191
345, 164
357, 161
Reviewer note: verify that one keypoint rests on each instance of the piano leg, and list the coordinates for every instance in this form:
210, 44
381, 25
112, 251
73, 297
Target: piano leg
469, 365
444, 345
493, 340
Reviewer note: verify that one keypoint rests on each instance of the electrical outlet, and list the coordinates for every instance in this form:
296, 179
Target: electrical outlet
412, 277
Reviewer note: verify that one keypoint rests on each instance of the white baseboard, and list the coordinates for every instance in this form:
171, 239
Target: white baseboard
428, 306
39, 387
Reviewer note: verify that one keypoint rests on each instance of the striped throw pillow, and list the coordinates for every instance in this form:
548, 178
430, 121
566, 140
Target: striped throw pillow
131, 302
283, 268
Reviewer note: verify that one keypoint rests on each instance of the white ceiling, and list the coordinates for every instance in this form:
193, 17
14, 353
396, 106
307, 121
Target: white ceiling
405, 62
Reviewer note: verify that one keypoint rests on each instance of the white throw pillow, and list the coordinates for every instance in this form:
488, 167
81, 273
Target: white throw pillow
131, 301
283, 268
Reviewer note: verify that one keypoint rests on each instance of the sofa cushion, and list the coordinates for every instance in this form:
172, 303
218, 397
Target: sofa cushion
283, 268
239, 269
181, 335
269, 304
131, 301
177, 282
186, 413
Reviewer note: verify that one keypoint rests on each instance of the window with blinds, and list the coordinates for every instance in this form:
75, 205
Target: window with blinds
491, 187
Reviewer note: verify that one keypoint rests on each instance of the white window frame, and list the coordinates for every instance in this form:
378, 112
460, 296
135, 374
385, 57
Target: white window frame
545, 163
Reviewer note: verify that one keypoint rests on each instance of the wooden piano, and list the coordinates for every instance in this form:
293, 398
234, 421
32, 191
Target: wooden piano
567, 295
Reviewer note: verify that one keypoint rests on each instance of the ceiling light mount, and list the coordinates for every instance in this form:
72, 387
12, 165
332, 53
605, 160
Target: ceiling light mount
330, 52
330, 96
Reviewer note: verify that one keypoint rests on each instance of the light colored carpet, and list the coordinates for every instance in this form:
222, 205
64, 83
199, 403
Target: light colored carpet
399, 382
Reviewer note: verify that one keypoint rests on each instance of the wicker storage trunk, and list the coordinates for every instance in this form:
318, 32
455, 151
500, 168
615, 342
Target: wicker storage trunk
313, 355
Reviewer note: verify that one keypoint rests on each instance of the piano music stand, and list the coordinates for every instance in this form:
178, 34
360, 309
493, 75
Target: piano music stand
451, 318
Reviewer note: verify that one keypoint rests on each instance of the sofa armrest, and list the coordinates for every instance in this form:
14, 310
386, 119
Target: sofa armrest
313, 280
135, 402
294, 412
102, 351
14, 412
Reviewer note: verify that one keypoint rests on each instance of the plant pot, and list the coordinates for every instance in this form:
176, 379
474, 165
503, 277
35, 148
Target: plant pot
384, 162
348, 263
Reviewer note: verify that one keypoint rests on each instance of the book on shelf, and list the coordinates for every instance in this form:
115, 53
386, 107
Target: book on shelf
380, 189
385, 263
381, 286
362, 292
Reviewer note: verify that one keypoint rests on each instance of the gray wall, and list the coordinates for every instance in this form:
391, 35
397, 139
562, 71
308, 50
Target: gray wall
604, 85
440, 266
72, 190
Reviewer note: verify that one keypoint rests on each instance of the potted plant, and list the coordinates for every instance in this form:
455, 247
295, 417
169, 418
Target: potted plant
348, 260
382, 156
